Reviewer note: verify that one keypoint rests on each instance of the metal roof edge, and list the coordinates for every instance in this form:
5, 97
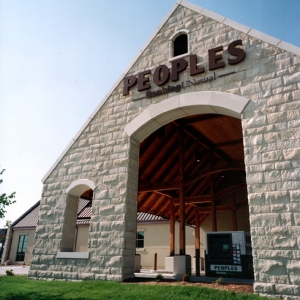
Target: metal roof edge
153, 222
25, 213
24, 228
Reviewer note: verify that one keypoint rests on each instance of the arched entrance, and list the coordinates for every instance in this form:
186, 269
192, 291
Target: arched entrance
192, 168
82, 188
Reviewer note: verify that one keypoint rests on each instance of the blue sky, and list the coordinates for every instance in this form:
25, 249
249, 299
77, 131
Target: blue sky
59, 58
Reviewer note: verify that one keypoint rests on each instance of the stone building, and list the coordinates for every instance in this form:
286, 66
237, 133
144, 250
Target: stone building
207, 86
19, 243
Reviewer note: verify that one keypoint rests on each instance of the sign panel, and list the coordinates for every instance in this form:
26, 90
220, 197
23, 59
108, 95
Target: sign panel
226, 268
162, 74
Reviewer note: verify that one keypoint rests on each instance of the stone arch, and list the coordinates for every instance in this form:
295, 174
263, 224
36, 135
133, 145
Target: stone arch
178, 33
77, 187
171, 109
74, 191
180, 106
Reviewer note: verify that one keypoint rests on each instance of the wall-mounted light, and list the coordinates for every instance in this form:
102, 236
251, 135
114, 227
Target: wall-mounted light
197, 156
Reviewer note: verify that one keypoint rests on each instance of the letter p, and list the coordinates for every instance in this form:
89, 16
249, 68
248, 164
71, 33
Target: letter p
178, 66
129, 82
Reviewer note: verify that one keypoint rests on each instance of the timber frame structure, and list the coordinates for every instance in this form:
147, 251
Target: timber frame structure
187, 167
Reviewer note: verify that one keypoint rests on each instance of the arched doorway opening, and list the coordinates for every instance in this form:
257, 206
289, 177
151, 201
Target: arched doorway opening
78, 206
196, 162
191, 166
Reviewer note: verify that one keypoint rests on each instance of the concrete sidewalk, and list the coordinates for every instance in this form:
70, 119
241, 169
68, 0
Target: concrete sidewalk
152, 274
18, 270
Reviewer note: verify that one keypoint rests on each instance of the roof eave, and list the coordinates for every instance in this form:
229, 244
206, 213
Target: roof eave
26, 213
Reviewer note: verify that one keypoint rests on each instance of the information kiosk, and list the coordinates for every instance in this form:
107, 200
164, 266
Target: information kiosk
228, 254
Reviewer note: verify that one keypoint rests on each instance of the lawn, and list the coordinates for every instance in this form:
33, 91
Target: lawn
21, 288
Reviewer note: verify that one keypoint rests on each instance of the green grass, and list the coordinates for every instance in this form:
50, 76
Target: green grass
21, 288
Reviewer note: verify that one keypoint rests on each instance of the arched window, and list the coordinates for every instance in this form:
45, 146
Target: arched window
181, 45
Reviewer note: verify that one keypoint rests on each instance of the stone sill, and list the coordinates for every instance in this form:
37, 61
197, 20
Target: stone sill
179, 56
81, 255
140, 249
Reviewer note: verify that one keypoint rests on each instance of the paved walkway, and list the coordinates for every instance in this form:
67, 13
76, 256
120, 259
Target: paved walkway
152, 274
18, 270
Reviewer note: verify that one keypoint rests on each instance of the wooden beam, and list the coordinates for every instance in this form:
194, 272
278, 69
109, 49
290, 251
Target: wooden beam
213, 205
230, 190
169, 142
198, 167
194, 199
209, 171
174, 185
229, 143
197, 242
207, 144
199, 118
203, 216
165, 207
181, 194
159, 186
234, 219
169, 168
142, 199
241, 204
172, 229
190, 214
156, 207
220, 208
144, 146
199, 188
190, 147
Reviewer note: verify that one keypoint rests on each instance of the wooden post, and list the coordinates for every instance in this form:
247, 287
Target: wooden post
172, 228
181, 193
234, 219
213, 205
212, 193
155, 261
197, 242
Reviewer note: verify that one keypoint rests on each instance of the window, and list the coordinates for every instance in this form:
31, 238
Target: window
181, 45
140, 239
21, 247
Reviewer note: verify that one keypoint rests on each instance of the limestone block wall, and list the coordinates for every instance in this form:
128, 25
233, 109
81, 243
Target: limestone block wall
82, 238
272, 139
103, 153
70, 218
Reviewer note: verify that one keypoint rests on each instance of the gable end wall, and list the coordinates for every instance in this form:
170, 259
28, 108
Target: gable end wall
103, 153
